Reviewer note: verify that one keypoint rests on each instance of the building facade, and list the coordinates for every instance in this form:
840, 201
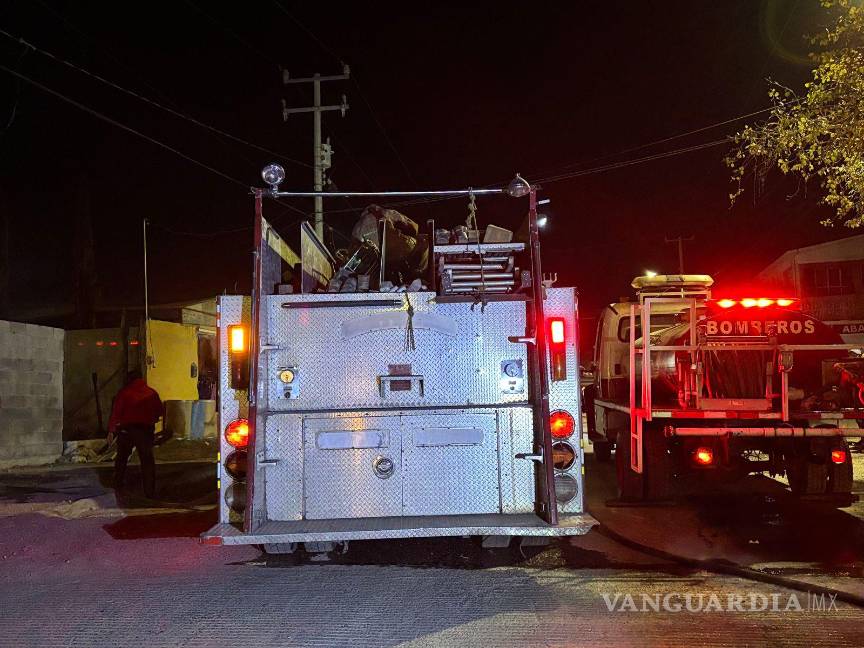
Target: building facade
828, 278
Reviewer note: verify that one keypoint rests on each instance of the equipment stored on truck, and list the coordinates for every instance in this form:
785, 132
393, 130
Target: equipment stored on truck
693, 389
376, 397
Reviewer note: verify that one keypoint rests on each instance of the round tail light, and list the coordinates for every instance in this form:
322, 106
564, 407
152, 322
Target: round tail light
563, 455
235, 497
237, 433
562, 424
703, 456
235, 465
566, 488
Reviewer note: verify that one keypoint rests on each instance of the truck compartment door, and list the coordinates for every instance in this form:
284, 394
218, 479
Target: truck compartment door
450, 464
352, 467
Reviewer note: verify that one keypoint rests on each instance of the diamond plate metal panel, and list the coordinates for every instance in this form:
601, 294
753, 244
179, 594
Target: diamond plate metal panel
283, 481
518, 478
342, 483
460, 369
428, 480
566, 394
233, 404
450, 479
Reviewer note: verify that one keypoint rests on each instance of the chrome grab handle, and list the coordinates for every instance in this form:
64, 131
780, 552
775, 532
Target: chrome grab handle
261, 460
538, 457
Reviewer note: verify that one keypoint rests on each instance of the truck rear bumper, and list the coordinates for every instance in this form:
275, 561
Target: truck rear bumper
274, 532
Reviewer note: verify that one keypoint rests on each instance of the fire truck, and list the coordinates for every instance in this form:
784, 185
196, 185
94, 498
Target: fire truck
694, 391
352, 408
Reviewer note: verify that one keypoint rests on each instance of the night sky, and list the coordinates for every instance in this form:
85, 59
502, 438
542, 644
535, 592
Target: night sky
441, 96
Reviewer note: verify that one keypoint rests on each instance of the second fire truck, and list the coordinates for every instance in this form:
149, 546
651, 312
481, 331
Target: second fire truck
694, 389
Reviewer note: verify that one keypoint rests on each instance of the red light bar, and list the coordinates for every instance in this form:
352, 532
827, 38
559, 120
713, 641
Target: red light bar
755, 302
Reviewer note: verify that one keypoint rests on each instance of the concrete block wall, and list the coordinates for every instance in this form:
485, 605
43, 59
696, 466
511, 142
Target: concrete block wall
31, 394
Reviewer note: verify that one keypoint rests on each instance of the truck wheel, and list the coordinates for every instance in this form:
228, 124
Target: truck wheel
807, 471
629, 482
656, 464
602, 451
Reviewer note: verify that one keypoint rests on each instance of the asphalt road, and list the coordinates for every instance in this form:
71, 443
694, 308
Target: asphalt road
77, 571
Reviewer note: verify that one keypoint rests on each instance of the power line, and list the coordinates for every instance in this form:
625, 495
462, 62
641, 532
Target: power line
111, 55
566, 176
384, 133
362, 96
233, 34
626, 163
129, 129
210, 234
308, 31
669, 139
150, 101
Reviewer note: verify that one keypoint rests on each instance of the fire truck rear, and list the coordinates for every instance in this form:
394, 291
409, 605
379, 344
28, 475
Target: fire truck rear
447, 408
692, 391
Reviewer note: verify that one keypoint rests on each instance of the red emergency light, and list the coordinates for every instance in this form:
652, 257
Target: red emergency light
756, 302
558, 348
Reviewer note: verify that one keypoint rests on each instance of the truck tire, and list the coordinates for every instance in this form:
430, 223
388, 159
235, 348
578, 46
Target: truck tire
629, 483
602, 451
807, 470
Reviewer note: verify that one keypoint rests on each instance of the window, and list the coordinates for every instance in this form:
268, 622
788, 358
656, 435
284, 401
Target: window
659, 321
826, 280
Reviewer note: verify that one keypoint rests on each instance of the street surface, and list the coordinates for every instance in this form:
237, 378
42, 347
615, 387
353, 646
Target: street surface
77, 571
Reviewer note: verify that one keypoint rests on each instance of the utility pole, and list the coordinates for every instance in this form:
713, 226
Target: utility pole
680, 241
322, 151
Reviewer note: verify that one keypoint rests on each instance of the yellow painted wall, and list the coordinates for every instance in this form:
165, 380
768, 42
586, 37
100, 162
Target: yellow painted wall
173, 349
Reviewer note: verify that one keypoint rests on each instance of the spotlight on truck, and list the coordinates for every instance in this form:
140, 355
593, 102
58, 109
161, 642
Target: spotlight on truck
273, 175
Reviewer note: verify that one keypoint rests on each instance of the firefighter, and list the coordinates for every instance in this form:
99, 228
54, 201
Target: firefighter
136, 410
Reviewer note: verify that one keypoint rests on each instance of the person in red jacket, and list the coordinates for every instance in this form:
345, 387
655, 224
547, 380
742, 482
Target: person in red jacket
136, 409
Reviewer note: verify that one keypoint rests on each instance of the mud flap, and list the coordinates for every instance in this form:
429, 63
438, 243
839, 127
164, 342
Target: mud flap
813, 474
657, 466
630, 483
